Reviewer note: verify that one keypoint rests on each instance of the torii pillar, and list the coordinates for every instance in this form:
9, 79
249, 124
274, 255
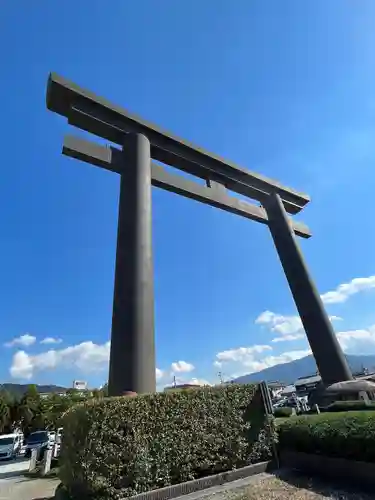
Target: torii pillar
327, 352
132, 358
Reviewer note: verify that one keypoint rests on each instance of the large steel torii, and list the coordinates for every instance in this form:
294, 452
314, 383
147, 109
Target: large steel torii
132, 355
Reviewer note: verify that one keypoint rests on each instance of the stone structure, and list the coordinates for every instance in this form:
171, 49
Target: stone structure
132, 357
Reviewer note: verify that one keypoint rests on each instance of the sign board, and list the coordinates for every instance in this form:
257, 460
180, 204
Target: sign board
80, 385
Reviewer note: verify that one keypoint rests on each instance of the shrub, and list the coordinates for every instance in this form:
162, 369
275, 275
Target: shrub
348, 435
283, 412
350, 406
117, 447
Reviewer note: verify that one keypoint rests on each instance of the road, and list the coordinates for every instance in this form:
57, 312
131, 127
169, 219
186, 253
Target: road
15, 486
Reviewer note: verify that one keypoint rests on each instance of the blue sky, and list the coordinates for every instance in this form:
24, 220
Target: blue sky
283, 88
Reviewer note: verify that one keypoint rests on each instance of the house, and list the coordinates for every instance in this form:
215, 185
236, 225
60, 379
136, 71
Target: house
182, 387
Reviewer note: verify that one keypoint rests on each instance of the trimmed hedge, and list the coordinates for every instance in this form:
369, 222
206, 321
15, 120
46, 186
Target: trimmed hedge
349, 435
283, 412
117, 447
350, 406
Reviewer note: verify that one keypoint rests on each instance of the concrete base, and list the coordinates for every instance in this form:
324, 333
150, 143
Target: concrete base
205, 483
46, 465
33, 460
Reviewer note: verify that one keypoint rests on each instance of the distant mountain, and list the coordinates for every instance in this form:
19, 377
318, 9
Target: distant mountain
19, 389
290, 372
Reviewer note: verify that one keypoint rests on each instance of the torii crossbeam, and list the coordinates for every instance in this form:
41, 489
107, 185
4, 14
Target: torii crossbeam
132, 355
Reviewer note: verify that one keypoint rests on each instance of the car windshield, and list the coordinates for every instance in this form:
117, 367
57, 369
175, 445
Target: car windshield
38, 437
6, 441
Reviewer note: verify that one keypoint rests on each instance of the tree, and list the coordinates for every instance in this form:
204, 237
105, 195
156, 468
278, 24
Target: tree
96, 394
5, 422
30, 411
104, 391
32, 393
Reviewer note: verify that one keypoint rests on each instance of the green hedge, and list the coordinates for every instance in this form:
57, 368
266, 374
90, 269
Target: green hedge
116, 447
283, 412
350, 406
348, 435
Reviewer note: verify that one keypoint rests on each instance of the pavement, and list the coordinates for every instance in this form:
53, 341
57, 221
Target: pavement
11, 470
14, 485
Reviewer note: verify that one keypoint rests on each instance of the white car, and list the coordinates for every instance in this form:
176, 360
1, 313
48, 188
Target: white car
10, 445
281, 403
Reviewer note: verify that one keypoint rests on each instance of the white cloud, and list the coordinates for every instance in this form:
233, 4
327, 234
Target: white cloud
24, 340
51, 340
22, 366
357, 341
335, 318
288, 327
346, 290
176, 374
181, 367
182, 381
279, 359
285, 325
287, 338
86, 357
243, 355
198, 381
159, 373
251, 359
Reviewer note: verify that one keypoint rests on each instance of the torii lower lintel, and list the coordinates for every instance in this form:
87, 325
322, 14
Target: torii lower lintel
112, 159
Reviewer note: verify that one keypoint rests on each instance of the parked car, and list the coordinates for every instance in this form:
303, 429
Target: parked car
10, 445
59, 435
52, 436
37, 440
280, 403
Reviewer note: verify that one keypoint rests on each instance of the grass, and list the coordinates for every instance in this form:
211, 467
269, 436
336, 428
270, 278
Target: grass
281, 420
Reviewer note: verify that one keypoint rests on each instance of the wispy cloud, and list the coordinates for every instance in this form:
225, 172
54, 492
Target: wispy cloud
252, 359
358, 340
288, 328
24, 340
51, 340
346, 290
182, 367
86, 357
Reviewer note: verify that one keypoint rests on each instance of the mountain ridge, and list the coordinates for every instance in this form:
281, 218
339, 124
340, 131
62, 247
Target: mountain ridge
20, 389
289, 372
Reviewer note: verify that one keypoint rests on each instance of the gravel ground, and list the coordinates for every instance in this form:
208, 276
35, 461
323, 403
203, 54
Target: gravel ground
284, 486
287, 486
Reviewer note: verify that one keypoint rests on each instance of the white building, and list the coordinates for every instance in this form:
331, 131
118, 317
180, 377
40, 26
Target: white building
306, 385
288, 391
80, 385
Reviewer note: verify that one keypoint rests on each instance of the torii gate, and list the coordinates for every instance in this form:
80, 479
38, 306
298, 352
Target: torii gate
132, 355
